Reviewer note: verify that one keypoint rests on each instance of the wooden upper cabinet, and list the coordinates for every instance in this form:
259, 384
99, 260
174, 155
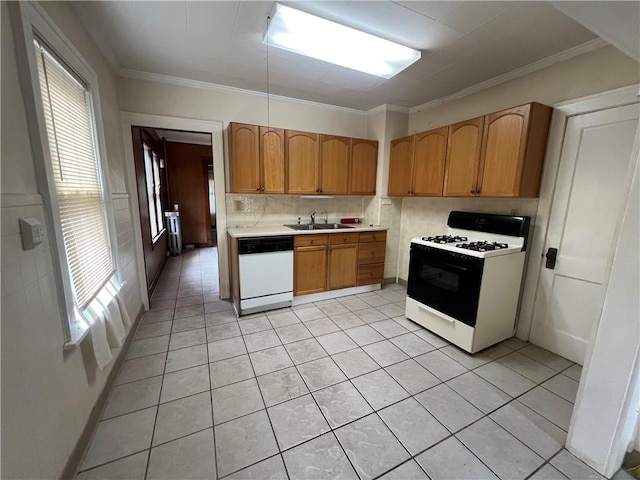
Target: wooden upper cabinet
272, 160
513, 151
364, 165
428, 162
244, 147
401, 166
334, 163
302, 162
463, 155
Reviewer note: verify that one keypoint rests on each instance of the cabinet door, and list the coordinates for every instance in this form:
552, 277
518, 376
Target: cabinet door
244, 148
343, 266
310, 270
463, 155
513, 151
364, 165
334, 164
401, 166
429, 159
272, 160
302, 162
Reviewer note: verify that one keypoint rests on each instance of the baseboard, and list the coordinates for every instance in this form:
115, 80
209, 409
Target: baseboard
70, 469
390, 280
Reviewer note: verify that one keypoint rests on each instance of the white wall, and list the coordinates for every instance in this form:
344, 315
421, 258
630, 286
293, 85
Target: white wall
202, 102
47, 393
597, 71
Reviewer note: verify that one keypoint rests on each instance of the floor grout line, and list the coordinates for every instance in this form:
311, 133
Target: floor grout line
331, 430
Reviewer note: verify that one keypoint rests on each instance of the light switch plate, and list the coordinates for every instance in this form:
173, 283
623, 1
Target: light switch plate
32, 232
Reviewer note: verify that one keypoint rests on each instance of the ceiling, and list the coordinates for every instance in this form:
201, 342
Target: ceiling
220, 42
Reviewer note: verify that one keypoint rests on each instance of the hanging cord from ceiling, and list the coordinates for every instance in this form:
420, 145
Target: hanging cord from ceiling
268, 81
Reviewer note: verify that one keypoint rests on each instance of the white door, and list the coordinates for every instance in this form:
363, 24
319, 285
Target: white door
591, 192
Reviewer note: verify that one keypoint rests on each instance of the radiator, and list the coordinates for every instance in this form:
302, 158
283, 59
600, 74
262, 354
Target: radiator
174, 235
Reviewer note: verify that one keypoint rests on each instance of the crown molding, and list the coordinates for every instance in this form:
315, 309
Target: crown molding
387, 108
517, 73
186, 82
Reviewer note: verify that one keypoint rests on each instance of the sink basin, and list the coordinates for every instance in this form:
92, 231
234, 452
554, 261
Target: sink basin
317, 226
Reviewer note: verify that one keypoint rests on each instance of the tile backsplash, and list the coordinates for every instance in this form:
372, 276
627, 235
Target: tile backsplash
406, 218
268, 209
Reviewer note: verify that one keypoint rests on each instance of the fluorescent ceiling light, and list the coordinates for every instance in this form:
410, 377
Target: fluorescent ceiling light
306, 34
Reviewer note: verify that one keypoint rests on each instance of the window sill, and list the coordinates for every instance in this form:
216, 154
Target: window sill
157, 238
78, 333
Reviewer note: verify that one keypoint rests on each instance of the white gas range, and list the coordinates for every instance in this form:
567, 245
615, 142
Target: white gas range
465, 285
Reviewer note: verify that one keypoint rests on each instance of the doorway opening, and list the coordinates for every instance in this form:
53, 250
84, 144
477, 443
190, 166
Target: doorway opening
175, 191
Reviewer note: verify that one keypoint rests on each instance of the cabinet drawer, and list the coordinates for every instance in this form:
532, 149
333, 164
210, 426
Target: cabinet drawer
309, 240
373, 236
342, 238
372, 252
370, 274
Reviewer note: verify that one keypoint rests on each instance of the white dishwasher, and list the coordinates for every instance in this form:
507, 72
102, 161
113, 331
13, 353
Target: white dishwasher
266, 273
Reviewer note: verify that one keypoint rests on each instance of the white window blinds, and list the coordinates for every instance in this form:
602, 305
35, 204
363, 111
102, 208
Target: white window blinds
75, 169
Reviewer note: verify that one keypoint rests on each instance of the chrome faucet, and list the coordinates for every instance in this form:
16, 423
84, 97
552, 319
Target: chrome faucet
313, 218
326, 217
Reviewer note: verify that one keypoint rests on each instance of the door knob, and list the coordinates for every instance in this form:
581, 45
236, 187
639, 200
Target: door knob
551, 255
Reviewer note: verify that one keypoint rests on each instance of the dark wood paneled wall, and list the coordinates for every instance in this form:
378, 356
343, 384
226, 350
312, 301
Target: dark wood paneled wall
187, 167
155, 256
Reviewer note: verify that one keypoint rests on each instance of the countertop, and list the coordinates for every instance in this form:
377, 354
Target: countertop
270, 230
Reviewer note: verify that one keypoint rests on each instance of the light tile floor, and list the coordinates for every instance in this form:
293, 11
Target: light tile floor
335, 389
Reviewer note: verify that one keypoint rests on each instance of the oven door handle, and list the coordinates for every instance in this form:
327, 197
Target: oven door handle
428, 310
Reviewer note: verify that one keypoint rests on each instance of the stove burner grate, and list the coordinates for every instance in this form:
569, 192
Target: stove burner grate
445, 239
482, 246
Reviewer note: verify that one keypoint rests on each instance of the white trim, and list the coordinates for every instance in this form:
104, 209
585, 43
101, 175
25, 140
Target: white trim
513, 74
388, 108
30, 20
130, 119
10, 200
186, 82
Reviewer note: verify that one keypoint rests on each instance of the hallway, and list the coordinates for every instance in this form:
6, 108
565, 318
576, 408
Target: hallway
343, 388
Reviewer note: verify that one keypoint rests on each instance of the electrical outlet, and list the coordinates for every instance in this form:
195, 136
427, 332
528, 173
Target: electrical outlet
238, 205
32, 232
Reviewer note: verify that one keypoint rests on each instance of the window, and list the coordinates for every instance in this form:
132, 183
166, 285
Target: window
152, 174
78, 185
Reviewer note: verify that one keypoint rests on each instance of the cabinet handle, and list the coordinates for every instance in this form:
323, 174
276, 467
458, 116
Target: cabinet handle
473, 192
258, 189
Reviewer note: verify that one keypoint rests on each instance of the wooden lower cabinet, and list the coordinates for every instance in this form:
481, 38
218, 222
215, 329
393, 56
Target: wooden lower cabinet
343, 260
337, 260
371, 253
370, 274
310, 264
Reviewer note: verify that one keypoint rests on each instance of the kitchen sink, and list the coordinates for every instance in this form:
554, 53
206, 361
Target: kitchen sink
317, 226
